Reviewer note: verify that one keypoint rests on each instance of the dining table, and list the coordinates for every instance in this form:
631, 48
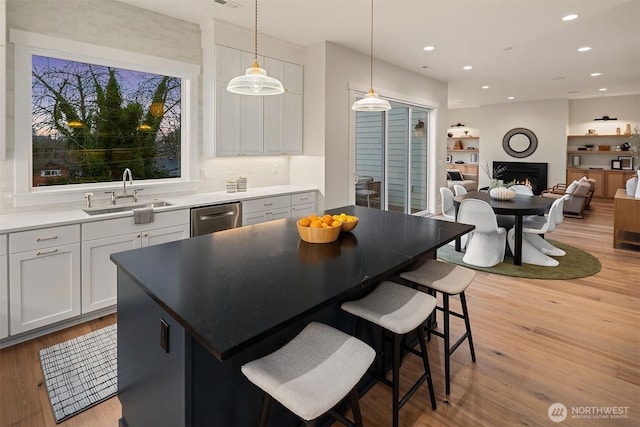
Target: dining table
518, 207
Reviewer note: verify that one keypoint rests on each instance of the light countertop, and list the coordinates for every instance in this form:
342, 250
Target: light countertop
46, 217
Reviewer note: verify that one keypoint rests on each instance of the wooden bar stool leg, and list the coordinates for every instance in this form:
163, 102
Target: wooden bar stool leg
463, 301
447, 348
355, 407
266, 404
396, 378
427, 369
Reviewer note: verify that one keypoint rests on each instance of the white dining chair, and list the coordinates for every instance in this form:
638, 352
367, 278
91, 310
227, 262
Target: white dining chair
534, 228
522, 189
447, 208
487, 245
459, 189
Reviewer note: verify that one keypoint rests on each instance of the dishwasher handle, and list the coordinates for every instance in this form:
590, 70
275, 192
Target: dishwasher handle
216, 215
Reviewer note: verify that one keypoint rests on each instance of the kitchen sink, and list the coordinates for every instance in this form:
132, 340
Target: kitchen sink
124, 208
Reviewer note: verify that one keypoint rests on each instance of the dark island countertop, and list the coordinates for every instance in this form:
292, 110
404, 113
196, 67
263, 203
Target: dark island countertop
233, 288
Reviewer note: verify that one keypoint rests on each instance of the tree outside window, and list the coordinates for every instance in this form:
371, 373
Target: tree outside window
90, 122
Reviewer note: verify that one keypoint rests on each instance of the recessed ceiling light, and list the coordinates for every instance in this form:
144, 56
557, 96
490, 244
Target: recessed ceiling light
584, 49
467, 67
603, 89
485, 87
510, 97
595, 74
569, 17
429, 48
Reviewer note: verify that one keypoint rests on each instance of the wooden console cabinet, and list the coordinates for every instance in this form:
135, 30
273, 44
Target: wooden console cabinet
608, 181
626, 219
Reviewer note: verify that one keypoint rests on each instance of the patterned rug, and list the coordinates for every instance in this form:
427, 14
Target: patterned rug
81, 372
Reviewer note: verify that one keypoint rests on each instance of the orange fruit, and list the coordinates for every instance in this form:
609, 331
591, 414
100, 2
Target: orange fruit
316, 223
328, 219
305, 222
336, 223
325, 225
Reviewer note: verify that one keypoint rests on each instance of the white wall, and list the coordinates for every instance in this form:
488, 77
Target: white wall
582, 112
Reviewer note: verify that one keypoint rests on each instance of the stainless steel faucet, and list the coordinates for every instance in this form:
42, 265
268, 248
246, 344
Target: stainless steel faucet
127, 172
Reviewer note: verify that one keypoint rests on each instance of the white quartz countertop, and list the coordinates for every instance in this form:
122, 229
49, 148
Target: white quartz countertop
47, 217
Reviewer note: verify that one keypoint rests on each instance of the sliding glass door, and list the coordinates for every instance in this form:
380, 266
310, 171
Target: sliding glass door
391, 158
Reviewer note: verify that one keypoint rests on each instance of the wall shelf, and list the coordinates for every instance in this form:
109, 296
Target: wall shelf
597, 136
463, 137
610, 152
475, 150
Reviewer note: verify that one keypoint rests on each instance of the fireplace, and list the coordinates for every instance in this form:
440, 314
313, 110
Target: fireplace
532, 174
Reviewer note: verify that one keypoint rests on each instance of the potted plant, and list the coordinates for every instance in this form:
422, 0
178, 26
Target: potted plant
589, 147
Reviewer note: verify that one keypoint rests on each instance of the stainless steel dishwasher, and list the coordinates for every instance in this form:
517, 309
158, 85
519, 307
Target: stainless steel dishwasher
208, 219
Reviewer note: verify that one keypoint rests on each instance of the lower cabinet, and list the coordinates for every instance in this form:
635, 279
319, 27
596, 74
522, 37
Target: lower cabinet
44, 277
303, 204
607, 181
266, 209
4, 289
100, 241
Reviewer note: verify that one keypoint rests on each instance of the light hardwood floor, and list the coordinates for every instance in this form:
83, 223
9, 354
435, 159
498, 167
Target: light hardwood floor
538, 342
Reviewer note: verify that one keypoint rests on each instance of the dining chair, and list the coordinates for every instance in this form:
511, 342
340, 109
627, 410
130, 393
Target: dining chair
487, 244
447, 209
459, 190
535, 227
522, 189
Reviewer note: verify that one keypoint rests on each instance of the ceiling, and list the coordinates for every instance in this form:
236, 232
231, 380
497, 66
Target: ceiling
519, 48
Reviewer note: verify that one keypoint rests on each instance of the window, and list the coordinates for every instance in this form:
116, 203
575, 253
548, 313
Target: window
94, 121
84, 113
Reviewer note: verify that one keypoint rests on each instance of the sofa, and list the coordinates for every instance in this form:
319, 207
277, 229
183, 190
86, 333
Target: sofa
468, 181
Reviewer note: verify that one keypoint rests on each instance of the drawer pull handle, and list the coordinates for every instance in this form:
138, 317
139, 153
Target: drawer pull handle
42, 239
268, 204
46, 253
304, 198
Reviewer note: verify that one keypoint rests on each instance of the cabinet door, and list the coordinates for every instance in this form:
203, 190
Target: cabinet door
99, 272
44, 287
575, 175
227, 124
164, 235
228, 64
4, 290
279, 213
600, 190
254, 218
293, 78
292, 143
274, 125
299, 211
615, 180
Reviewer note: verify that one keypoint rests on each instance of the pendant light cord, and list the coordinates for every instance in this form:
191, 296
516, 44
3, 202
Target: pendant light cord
255, 54
371, 54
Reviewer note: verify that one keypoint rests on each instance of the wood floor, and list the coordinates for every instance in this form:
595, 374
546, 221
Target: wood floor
537, 342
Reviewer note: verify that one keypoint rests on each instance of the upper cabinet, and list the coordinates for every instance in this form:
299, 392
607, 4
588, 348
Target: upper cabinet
257, 125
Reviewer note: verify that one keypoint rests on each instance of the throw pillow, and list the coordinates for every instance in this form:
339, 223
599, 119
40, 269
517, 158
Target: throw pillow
455, 175
572, 187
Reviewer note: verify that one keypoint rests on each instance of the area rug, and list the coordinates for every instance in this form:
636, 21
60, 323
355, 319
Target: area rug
575, 264
81, 372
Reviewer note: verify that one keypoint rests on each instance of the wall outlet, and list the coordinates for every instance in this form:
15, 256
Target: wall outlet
204, 173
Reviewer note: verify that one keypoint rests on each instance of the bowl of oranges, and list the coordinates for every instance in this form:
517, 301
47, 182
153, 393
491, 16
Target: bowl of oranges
349, 222
315, 229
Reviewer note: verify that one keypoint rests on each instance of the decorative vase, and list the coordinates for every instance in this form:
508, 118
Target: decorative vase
638, 184
502, 193
627, 129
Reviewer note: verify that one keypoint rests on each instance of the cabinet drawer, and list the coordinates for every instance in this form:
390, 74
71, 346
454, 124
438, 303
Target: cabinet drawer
44, 238
306, 209
119, 226
266, 203
303, 198
3, 244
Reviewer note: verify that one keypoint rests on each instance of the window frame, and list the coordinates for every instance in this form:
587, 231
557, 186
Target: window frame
27, 44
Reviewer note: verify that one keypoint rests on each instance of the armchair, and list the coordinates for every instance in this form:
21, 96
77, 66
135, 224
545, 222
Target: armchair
577, 196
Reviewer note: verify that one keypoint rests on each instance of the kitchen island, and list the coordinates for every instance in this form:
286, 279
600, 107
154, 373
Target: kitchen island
191, 312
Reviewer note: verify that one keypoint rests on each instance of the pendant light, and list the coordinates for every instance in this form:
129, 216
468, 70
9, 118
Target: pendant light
371, 101
255, 80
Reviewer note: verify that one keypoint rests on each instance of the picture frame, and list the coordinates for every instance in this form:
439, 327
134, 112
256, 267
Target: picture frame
616, 164
626, 162
449, 158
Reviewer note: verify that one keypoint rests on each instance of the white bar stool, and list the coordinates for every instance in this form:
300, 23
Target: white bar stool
399, 310
312, 373
449, 279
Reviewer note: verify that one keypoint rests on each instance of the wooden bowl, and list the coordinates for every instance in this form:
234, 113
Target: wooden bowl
318, 235
349, 225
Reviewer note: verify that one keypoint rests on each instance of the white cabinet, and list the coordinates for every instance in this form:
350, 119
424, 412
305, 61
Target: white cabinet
44, 277
303, 204
4, 290
257, 125
265, 209
101, 239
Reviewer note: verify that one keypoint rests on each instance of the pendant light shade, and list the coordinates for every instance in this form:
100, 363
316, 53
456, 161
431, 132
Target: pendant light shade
255, 80
371, 101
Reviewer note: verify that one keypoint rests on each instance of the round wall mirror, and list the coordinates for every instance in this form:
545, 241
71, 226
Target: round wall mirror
520, 142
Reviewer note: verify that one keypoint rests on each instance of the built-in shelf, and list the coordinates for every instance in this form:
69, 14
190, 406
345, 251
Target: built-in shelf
463, 137
465, 150
597, 136
610, 152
